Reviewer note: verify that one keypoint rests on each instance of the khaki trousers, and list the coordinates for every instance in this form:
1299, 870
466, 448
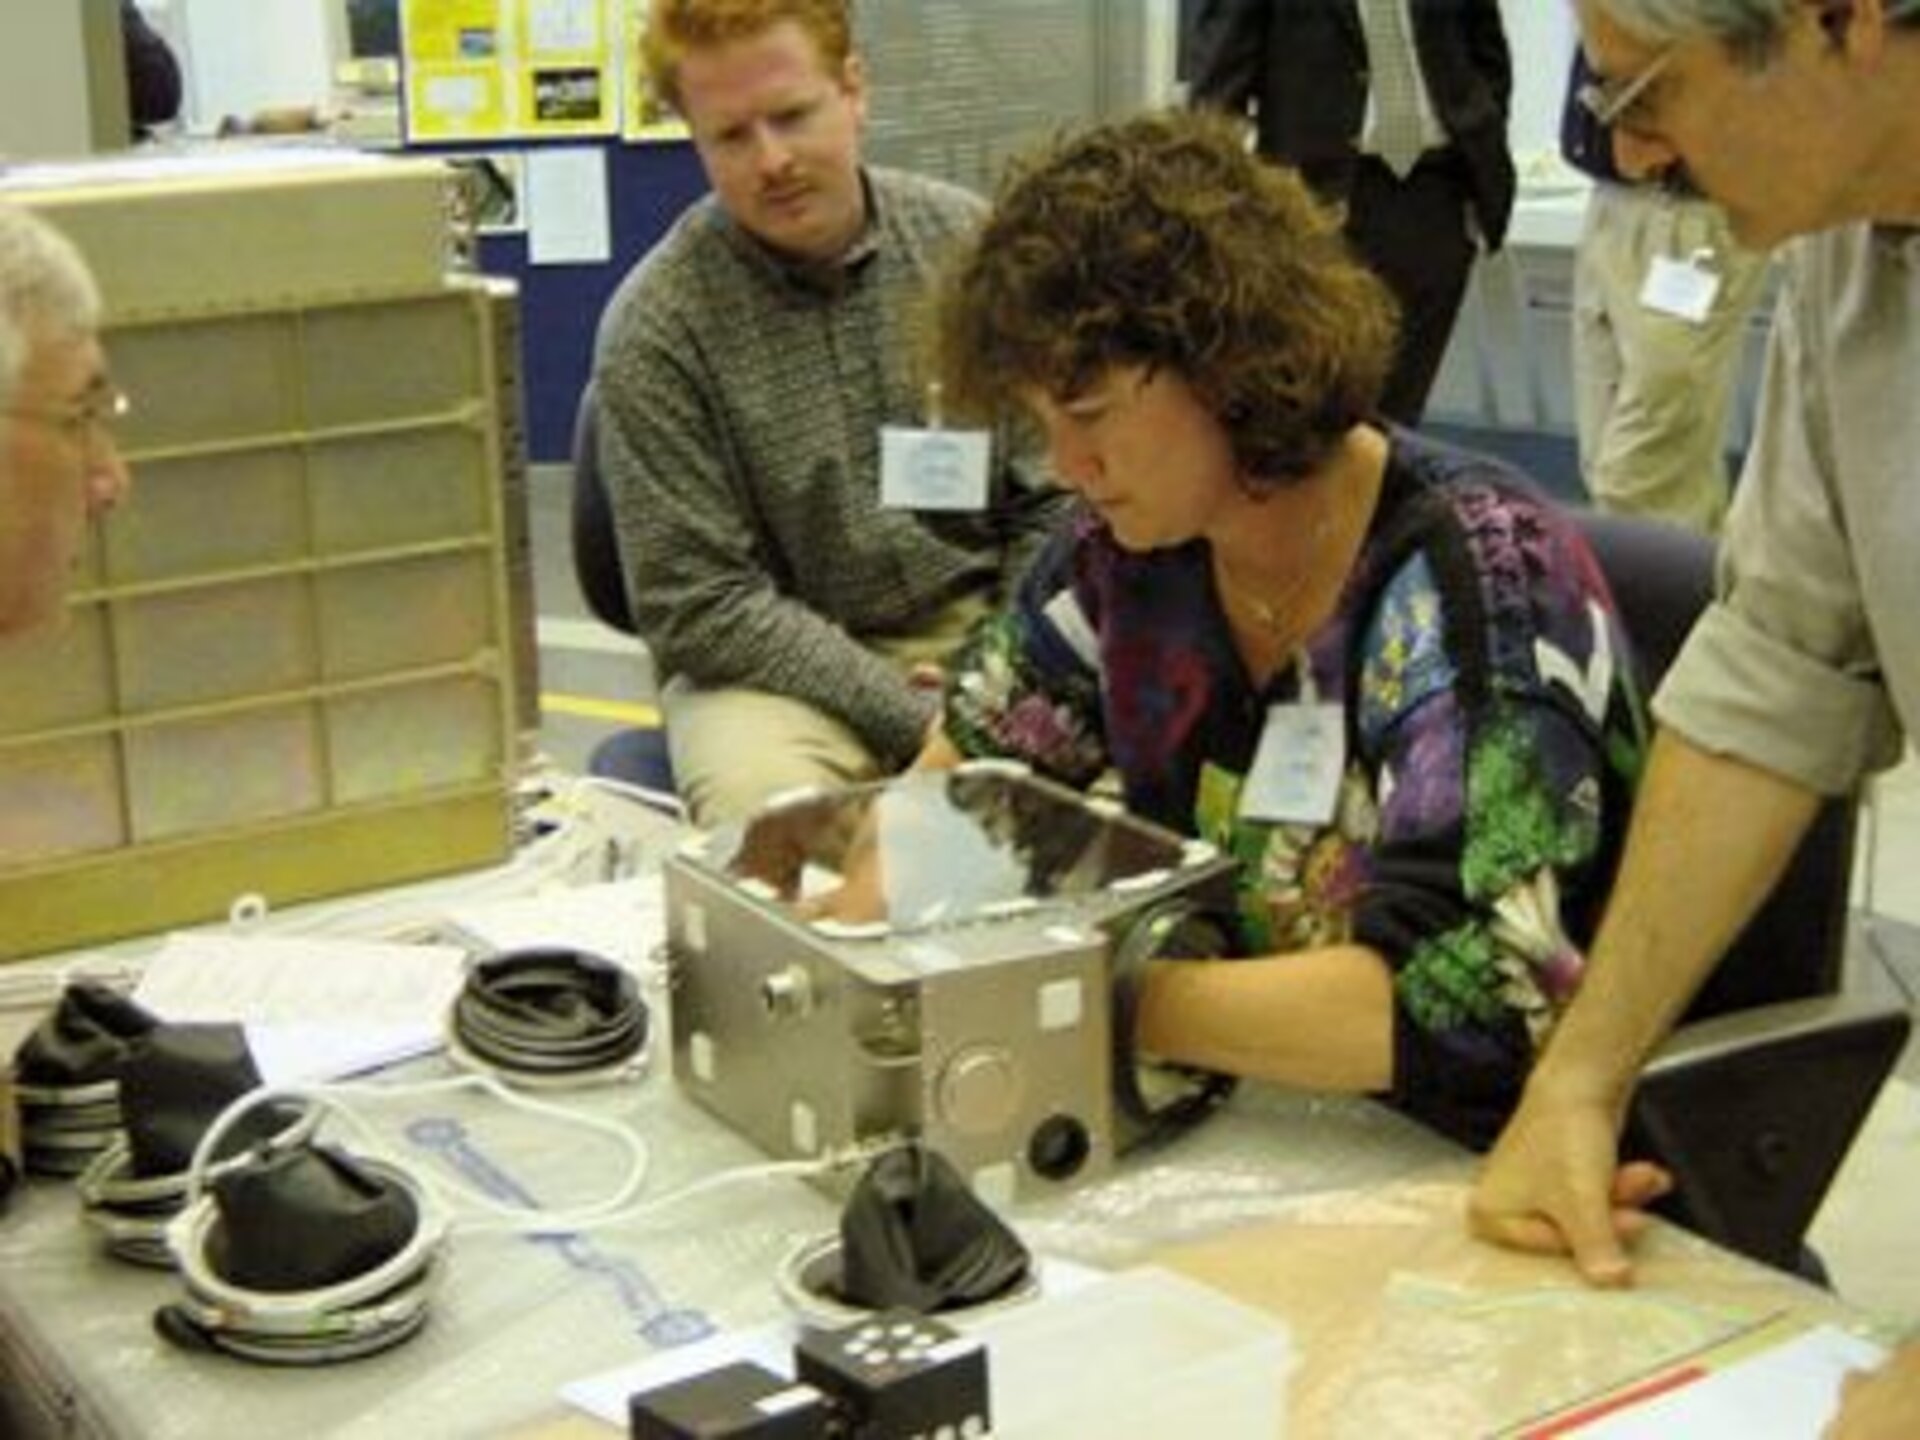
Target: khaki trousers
1653, 391
734, 748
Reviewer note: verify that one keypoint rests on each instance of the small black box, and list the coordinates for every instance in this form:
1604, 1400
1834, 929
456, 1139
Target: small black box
742, 1401
899, 1374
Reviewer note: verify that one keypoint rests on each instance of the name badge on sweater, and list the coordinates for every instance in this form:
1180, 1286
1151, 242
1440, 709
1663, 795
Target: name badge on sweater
934, 469
1684, 289
1295, 779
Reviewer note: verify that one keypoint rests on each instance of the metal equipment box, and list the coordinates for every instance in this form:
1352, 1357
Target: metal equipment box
247, 228
955, 988
287, 668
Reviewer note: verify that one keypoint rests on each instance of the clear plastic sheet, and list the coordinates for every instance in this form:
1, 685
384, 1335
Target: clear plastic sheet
1407, 1327
1248, 1162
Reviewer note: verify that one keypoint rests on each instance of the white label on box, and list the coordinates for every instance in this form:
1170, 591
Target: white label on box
994, 1184
803, 1128
1060, 1004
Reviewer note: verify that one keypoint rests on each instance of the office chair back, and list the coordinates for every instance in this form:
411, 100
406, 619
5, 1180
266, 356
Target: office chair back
1793, 949
639, 756
596, 549
1753, 1112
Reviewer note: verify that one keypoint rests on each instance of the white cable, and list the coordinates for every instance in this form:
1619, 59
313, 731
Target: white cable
617, 1209
187, 1237
664, 801
638, 1157
332, 1097
385, 1305
742, 1174
109, 1181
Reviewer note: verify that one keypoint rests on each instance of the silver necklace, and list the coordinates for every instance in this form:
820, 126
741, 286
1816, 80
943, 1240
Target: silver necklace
1272, 616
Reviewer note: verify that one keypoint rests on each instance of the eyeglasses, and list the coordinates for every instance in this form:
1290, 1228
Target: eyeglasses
96, 414
1608, 101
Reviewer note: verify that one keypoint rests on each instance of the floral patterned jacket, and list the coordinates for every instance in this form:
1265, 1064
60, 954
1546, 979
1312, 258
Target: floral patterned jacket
1493, 734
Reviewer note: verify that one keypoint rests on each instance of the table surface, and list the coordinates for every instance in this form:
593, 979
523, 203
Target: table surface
1335, 1214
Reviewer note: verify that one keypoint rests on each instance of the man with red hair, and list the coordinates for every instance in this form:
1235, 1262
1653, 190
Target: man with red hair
744, 374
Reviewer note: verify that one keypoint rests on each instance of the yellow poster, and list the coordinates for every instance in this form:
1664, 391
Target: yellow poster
645, 118
568, 81
505, 69
456, 102
445, 32
454, 88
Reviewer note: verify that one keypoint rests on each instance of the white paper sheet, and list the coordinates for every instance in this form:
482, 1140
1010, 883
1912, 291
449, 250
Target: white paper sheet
567, 217
564, 26
625, 920
313, 1009
1788, 1392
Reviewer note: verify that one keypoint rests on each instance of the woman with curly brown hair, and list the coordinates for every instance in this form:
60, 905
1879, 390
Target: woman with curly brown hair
1383, 675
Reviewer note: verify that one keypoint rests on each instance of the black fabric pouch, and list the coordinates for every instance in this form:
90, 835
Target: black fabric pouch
305, 1218
84, 1039
914, 1236
175, 1083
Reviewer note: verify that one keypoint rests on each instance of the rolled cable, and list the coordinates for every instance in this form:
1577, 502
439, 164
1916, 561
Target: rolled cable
549, 1016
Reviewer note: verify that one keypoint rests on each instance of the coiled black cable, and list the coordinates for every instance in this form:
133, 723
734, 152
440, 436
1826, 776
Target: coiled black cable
551, 1016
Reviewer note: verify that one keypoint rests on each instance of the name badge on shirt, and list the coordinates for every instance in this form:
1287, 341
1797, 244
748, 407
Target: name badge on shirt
1684, 289
934, 469
1295, 779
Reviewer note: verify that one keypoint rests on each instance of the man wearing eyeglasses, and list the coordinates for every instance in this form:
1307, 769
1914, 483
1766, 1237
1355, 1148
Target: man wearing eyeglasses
1800, 118
58, 464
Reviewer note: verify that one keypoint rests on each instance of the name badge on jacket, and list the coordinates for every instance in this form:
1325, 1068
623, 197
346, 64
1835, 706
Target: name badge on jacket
1684, 289
1295, 779
934, 469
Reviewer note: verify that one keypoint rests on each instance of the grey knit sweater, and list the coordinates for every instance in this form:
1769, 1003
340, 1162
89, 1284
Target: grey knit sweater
741, 399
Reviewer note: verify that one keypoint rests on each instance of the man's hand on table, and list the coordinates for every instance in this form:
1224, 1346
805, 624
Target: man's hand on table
1554, 1185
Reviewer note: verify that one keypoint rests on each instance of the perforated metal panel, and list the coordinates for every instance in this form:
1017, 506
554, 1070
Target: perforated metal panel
958, 85
288, 663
